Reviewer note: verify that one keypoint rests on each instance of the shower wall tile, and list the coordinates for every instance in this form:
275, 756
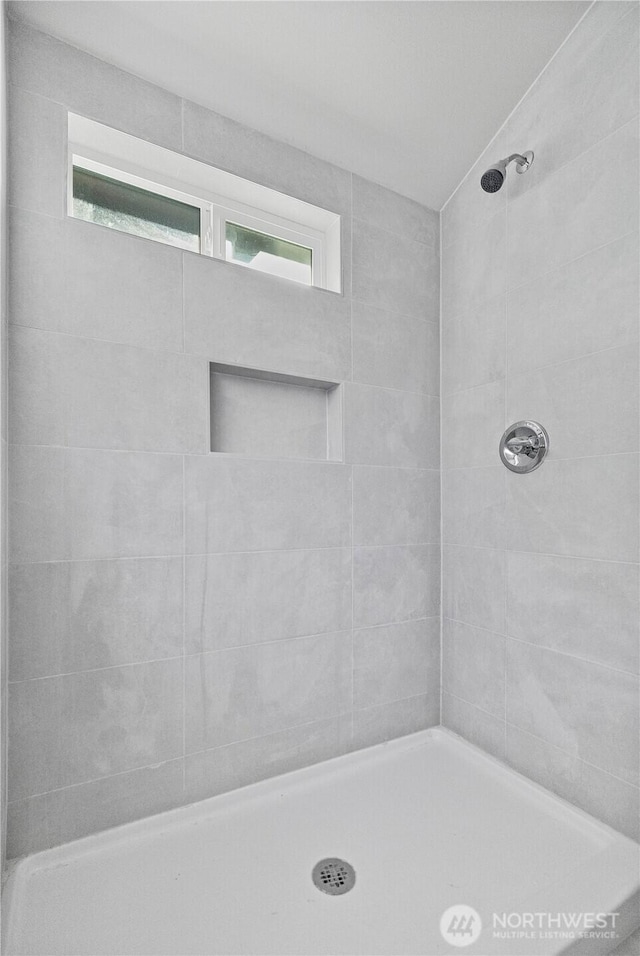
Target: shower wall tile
474, 582
583, 708
586, 507
243, 505
396, 661
112, 480
395, 351
598, 793
395, 506
474, 270
587, 203
395, 584
389, 210
574, 400
473, 724
389, 427
375, 725
76, 277
43, 821
244, 317
210, 772
37, 154
586, 608
473, 506
473, 664
247, 692
284, 594
562, 242
246, 152
474, 426
463, 367
79, 727
72, 503
79, 615
585, 306
394, 273
594, 88
84, 84
79, 392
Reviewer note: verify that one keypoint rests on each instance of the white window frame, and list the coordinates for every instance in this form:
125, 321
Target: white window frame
165, 173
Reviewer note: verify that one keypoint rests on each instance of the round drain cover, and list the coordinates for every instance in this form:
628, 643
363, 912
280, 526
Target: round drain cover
334, 876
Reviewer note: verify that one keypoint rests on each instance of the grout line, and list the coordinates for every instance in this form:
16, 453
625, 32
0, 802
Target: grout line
441, 459
222, 650
230, 456
505, 405
505, 636
542, 554
550, 461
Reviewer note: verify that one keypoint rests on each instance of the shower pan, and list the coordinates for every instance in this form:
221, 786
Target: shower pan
425, 824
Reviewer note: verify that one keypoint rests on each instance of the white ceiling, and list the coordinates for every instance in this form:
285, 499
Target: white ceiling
404, 92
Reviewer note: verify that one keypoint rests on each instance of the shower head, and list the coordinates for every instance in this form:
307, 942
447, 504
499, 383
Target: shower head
492, 180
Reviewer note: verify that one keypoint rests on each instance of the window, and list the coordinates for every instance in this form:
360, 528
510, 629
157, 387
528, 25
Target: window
124, 183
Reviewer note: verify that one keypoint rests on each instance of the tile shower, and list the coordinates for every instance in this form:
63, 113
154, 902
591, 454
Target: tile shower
183, 623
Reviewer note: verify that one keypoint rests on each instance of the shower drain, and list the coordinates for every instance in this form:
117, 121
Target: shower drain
334, 876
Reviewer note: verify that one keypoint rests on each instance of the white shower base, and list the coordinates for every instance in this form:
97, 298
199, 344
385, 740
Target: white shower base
427, 821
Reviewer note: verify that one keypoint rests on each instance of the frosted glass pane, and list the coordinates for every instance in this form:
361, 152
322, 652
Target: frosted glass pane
118, 205
268, 253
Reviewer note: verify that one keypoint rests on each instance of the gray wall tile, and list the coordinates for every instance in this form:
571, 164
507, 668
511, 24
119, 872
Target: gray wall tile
594, 88
73, 503
37, 154
464, 367
235, 765
574, 400
78, 727
473, 724
83, 84
395, 351
388, 427
473, 426
582, 209
474, 269
585, 709
244, 317
247, 692
246, 152
79, 615
473, 506
130, 290
586, 305
395, 506
244, 505
473, 663
395, 584
43, 821
574, 507
79, 392
234, 599
396, 661
474, 583
586, 608
389, 210
393, 273
375, 725
591, 789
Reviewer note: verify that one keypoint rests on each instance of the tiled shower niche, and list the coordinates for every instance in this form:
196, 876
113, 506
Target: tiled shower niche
265, 414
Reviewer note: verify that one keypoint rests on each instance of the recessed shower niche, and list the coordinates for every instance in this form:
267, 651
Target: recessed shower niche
273, 415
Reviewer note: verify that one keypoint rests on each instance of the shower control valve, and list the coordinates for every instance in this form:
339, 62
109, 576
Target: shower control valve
523, 447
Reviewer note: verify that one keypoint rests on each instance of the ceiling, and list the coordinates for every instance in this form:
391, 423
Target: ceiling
405, 92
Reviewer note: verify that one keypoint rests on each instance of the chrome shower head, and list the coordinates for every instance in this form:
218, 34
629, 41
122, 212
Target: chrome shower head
493, 179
